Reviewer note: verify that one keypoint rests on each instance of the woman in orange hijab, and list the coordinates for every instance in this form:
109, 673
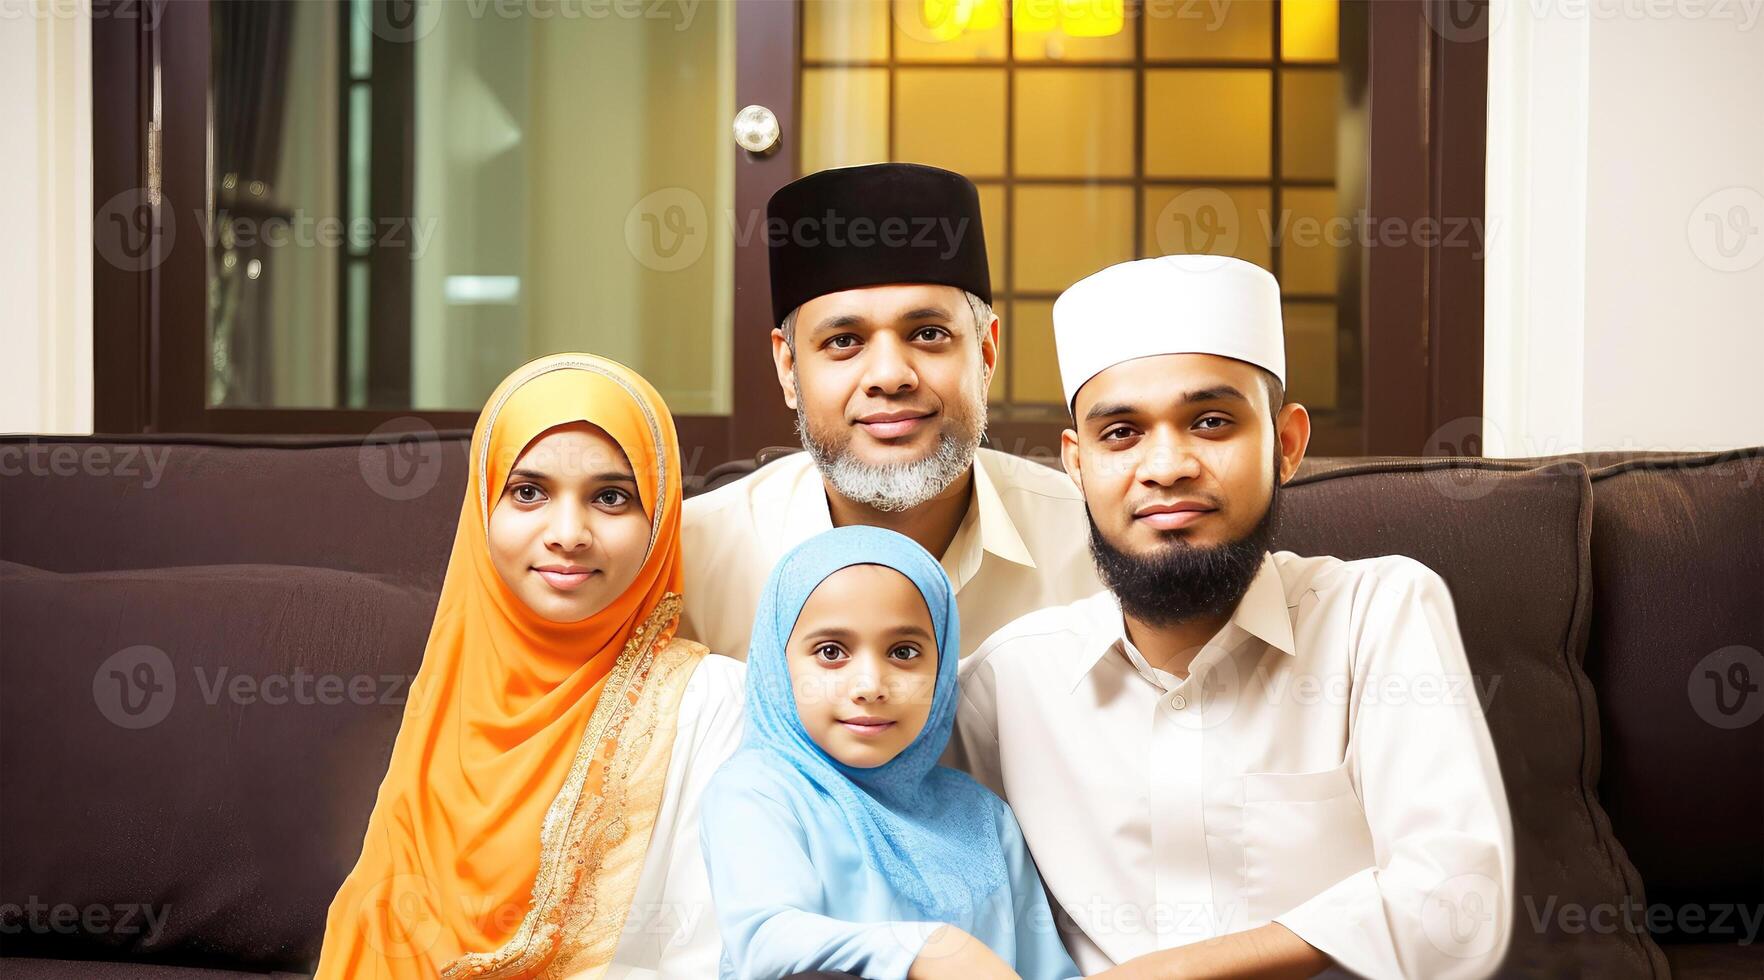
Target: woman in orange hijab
539, 817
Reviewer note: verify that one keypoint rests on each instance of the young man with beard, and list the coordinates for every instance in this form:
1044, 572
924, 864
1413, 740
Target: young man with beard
885, 346
1234, 762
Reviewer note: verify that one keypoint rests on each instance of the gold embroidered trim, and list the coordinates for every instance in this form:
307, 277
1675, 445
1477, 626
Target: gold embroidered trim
655, 435
567, 820
588, 942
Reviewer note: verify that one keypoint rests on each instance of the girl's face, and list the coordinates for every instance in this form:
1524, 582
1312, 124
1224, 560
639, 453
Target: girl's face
568, 532
863, 664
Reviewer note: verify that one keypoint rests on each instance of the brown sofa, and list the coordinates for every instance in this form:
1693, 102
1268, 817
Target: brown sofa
205, 644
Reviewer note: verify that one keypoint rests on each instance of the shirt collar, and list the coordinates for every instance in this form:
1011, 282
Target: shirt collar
998, 533
810, 515
1262, 612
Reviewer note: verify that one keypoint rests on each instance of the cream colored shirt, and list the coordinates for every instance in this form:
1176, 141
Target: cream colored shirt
671, 929
1023, 545
1324, 765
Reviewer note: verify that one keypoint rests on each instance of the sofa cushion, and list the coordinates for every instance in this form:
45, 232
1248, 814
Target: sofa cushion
32, 968
1512, 543
383, 506
1716, 961
1677, 656
194, 750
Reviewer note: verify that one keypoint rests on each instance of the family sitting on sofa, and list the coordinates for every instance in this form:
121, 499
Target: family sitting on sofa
900, 706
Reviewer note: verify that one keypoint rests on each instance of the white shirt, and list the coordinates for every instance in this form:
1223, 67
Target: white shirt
671, 930
1022, 546
1324, 765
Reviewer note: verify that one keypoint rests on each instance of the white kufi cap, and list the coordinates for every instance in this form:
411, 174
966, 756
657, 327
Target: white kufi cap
1176, 304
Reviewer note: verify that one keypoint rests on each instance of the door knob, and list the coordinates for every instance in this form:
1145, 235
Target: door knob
756, 130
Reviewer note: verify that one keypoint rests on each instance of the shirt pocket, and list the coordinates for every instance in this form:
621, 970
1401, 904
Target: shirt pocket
1302, 832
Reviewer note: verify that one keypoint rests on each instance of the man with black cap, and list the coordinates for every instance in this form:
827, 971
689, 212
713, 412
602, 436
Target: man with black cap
885, 345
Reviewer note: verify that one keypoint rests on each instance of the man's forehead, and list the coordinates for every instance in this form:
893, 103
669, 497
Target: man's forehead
882, 303
1162, 380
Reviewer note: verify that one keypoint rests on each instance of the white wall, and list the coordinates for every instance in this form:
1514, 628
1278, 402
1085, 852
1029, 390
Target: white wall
1617, 318
45, 218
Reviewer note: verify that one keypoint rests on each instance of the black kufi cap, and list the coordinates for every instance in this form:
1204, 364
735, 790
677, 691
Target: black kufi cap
872, 226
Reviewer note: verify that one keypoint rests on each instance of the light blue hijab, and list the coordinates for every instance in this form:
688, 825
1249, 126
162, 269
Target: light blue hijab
921, 826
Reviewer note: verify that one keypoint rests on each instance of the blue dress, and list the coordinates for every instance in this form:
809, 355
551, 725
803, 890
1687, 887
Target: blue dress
793, 892
817, 865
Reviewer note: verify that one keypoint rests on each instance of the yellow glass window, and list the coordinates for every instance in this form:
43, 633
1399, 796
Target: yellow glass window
1035, 370
1310, 240
1074, 122
939, 39
1063, 234
1308, 124
845, 30
1312, 368
1208, 220
844, 117
1310, 30
1060, 45
995, 391
992, 213
952, 118
1214, 31
1208, 122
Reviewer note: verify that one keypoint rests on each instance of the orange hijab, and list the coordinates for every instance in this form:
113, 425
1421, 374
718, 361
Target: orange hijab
451, 862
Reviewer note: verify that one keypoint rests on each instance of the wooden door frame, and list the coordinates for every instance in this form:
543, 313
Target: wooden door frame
1419, 95
1426, 75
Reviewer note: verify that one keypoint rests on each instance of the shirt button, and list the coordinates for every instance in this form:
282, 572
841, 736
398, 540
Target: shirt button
1178, 702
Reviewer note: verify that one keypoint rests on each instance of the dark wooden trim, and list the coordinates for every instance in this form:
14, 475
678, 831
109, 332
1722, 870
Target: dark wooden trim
1459, 168
182, 45
1154, 64
1276, 198
392, 199
1004, 299
345, 87
1423, 303
1353, 109
121, 375
766, 56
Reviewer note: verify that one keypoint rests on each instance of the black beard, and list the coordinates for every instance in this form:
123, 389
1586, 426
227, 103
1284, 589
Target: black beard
1178, 582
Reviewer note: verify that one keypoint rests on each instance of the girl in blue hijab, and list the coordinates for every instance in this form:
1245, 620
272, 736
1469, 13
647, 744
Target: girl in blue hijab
835, 841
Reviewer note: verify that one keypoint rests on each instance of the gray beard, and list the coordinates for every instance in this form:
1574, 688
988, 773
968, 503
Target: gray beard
894, 487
